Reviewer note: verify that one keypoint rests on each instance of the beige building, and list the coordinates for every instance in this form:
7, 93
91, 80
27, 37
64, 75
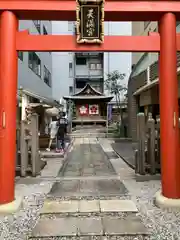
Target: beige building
143, 89
138, 29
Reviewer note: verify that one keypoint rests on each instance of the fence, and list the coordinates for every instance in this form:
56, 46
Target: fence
147, 154
27, 148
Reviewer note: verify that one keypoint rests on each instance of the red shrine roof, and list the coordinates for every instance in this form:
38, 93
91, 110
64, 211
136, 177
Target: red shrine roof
87, 93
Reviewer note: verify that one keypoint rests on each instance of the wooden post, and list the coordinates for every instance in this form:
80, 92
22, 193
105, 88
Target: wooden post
136, 161
158, 141
35, 158
141, 142
24, 149
151, 145
18, 144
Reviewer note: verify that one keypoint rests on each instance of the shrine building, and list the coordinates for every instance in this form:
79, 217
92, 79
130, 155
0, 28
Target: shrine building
90, 106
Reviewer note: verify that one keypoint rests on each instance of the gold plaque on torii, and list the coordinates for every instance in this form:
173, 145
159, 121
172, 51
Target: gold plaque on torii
90, 21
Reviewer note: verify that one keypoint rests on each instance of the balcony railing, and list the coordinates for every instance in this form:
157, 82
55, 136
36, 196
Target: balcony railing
86, 72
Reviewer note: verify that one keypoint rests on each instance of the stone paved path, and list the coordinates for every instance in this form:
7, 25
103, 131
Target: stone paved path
89, 199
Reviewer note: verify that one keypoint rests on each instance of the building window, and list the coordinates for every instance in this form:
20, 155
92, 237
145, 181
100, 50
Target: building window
47, 76
80, 61
92, 66
133, 66
70, 65
146, 24
99, 66
70, 70
20, 55
80, 84
95, 66
70, 90
45, 31
34, 63
37, 24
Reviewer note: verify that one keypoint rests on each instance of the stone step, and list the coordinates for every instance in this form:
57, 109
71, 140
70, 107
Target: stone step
88, 135
88, 206
51, 154
89, 226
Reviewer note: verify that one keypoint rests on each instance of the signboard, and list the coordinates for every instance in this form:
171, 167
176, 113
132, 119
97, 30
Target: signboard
83, 110
90, 21
93, 109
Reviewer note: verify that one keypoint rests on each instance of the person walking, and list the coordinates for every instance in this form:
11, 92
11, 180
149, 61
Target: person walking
53, 131
62, 130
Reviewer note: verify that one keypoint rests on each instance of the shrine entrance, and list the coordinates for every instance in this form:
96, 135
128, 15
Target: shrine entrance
166, 42
90, 107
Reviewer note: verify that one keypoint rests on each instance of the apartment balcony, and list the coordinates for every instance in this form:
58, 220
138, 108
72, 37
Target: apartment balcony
85, 72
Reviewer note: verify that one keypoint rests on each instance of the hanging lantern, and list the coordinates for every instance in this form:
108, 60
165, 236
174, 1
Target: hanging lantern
52, 111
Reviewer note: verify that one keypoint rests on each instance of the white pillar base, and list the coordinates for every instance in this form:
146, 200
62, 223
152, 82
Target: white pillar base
11, 207
163, 202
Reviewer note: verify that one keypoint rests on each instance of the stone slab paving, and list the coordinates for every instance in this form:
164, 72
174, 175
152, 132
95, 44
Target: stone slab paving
117, 206
57, 227
28, 181
105, 144
60, 207
126, 150
88, 206
100, 187
51, 154
83, 199
111, 155
132, 225
52, 168
87, 160
88, 226
87, 157
122, 170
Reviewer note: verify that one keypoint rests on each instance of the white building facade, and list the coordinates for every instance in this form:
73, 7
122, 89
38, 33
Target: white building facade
71, 71
35, 68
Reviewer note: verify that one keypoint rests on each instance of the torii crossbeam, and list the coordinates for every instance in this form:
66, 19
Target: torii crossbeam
167, 43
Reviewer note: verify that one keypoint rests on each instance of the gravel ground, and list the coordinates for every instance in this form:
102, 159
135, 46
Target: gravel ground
163, 224
97, 238
18, 226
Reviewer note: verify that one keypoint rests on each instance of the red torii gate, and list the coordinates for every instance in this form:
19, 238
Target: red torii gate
167, 43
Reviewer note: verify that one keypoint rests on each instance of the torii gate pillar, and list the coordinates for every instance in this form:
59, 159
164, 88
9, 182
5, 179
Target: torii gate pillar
169, 120
8, 89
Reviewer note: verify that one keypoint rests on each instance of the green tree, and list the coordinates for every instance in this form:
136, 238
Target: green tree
113, 84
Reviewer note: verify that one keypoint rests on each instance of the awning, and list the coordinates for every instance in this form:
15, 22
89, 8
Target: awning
36, 105
42, 99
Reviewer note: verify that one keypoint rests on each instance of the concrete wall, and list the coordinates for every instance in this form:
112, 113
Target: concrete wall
26, 77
